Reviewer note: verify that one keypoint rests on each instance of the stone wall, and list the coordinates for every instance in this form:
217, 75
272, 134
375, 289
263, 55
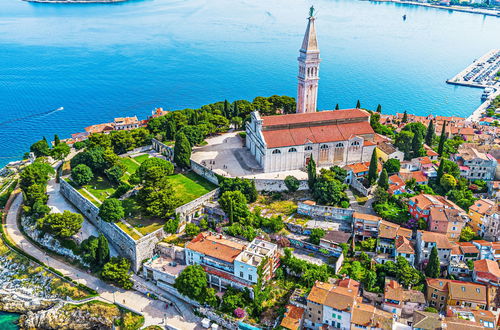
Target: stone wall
358, 186
204, 172
325, 212
135, 251
163, 149
276, 185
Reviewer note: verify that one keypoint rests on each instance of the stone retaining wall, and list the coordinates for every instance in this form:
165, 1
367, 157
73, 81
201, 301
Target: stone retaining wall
135, 251
163, 149
204, 172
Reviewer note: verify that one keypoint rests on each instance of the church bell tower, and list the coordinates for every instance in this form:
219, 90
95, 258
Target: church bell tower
307, 91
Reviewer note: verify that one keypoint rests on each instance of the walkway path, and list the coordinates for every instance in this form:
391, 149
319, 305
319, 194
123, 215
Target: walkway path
154, 311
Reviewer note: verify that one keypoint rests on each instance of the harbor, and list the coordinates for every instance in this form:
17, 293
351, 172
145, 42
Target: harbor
482, 73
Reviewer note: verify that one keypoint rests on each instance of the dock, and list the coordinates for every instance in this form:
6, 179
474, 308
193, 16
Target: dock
482, 73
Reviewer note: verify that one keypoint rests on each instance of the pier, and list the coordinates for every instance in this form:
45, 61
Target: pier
482, 73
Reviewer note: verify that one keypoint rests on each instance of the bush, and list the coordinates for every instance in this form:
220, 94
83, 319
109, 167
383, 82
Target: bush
121, 190
82, 174
111, 210
117, 271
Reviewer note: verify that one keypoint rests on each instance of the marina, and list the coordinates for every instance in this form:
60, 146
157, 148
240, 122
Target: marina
482, 73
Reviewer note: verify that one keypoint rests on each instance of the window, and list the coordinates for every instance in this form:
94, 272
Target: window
241, 274
292, 150
339, 145
276, 151
249, 277
324, 146
463, 288
308, 148
478, 290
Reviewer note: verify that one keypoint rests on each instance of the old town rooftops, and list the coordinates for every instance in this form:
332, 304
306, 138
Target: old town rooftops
484, 206
215, 245
341, 296
391, 230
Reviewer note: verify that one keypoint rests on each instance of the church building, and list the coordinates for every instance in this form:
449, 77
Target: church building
288, 142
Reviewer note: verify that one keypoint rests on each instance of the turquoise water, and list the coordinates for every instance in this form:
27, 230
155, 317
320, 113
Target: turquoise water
8, 321
100, 61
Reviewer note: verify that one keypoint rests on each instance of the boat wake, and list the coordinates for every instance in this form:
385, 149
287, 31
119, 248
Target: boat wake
36, 115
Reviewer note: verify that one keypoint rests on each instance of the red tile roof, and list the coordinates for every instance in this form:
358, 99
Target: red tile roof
488, 269
319, 116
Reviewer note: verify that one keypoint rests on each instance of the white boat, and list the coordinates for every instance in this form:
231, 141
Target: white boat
488, 91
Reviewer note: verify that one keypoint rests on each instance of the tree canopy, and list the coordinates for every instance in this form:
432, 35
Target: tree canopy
292, 183
82, 174
111, 210
62, 225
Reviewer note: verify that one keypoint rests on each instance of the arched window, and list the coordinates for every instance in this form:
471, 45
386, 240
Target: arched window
292, 150
308, 148
324, 146
355, 143
276, 151
339, 145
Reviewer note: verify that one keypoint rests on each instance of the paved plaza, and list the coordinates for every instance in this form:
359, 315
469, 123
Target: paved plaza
227, 155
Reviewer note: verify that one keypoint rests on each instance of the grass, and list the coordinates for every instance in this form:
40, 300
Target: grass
126, 229
190, 186
100, 187
130, 164
141, 158
144, 225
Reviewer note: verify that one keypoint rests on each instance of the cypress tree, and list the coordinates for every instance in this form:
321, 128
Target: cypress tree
56, 140
416, 144
440, 171
236, 110
170, 129
102, 250
358, 105
226, 109
429, 135
337, 107
383, 180
405, 117
182, 151
379, 108
311, 173
433, 268
372, 171
442, 139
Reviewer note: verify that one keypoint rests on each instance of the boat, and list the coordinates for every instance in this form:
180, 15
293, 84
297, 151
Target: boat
404, 17
59, 109
488, 91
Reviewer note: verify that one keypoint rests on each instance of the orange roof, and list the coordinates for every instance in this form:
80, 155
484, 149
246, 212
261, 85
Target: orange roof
488, 266
441, 240
459, 290
391, 230
365, 216
216, 246
403, 245
483, 206
293, 317
341, 295
467, 247
359, 167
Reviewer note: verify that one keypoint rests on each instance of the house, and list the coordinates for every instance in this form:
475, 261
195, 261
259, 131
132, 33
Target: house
293, 317
426, 240
420, 205
386, 151
485, 218
433, 321
337, 305
443, 292
447, 221
419, 176
485, 248
405, 249
331, 304
475, 165
230, 262
396, 185
365, 225
433, 156
333, 239
475, 317
400, 301
486, 272
126, 123
469, 251
388, 233
458, 266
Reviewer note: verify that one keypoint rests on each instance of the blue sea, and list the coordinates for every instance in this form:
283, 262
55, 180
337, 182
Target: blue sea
8, 321
101, 61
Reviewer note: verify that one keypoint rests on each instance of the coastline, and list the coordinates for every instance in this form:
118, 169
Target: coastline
494, 13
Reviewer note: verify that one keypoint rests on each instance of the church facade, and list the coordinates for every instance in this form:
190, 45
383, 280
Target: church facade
288, 142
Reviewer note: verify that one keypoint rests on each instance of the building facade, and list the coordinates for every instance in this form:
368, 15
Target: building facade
289, 142
475, 165
308, 77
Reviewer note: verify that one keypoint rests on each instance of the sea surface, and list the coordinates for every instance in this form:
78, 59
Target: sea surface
8, 321
101, 61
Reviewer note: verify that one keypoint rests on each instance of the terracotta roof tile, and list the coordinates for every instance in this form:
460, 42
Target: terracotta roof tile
441, 240
293, 316
216, 246
313, 117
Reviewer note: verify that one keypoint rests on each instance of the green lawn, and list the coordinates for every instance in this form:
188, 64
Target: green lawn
143, 224
100, 187
141, 158
131, 233
190, 186
131, 165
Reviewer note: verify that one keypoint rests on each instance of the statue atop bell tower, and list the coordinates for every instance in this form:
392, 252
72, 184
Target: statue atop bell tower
307, 91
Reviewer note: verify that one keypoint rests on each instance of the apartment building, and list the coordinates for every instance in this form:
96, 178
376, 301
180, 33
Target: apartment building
485, 215
447, 221
475, 165
443, 292
426, 240
420, 205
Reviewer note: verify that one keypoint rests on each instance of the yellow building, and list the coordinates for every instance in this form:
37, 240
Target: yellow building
477, 211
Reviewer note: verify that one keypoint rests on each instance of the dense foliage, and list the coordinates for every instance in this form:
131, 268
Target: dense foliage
117, 271
82, 174
61, 225
111, 210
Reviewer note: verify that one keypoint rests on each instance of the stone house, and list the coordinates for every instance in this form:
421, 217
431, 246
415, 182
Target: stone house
486, 272
475, 165
400, 301
443, 292
426, 240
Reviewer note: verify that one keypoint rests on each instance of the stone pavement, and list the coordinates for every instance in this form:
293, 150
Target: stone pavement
154, 311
